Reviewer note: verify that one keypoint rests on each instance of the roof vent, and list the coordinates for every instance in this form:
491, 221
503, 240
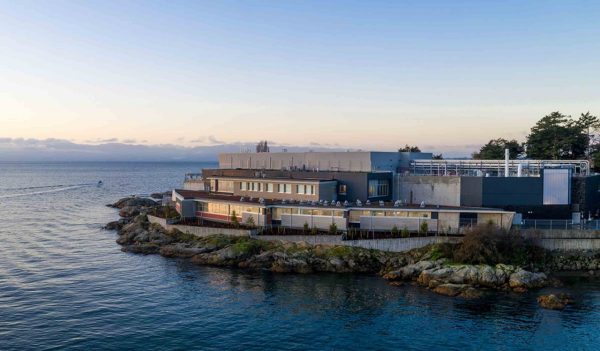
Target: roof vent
368, 203
381, 203
398, 203
422, 204
346, 203
338, 204
358, 202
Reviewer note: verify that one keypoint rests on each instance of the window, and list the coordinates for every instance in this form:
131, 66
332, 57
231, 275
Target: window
300, 188
225, 186
310, 190
379, 187
270, 187
285, 188
243, 186
342, 190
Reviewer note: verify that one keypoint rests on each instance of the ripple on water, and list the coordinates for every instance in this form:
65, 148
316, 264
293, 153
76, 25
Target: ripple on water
65, 284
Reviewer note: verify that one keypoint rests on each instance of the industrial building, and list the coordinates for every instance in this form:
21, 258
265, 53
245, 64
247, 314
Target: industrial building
382, 190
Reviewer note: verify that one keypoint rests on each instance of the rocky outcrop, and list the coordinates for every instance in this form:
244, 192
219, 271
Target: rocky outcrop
132, 201
446, 279
554, 302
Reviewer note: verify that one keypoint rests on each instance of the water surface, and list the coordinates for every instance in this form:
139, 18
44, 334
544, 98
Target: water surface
65, 284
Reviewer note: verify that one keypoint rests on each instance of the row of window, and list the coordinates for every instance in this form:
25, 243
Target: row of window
283, 188
225, 209
379, 187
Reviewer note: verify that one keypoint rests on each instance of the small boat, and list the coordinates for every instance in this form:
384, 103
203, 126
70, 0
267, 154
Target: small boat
100, 183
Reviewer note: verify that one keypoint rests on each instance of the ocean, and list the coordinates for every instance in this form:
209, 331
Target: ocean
65, 284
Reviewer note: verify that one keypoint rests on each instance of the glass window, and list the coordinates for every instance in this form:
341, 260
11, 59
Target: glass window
300, 188
342, 190
379, 187
310, 189
270, 187
243, 186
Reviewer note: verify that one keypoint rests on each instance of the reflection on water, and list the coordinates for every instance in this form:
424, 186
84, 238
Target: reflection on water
64, 284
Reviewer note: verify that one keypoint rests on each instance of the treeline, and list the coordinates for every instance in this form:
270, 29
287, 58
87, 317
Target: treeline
554, 137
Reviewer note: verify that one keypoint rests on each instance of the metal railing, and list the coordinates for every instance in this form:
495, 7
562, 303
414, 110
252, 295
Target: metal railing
559, 224
531, 168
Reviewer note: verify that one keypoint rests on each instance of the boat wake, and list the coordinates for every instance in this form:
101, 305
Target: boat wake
50, 189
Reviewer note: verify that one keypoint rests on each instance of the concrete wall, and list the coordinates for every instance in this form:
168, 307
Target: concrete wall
379, 223
444, 191
320, 222
503, 220
196, 185
199, 231
390, 245
471, 191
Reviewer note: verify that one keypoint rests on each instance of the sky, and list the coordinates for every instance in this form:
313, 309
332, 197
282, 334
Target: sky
373, 75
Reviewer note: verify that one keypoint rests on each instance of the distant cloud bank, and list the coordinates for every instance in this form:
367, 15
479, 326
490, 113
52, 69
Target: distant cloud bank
112, 149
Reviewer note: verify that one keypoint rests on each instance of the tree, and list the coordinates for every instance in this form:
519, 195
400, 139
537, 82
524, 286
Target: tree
557, 136
262, 146
408, 148
494, 149
589, 124
437, 157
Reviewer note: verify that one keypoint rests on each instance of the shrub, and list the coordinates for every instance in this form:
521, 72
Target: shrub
250, 222
395, 231
489, 244
405, 233
314, 231
234, 220
333, 229
306, 228
424, 227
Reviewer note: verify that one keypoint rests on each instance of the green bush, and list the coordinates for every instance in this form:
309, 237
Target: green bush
405, 233
489, 244
424, 228
234, 220
395, 231
306, 228
333, 229
314, 231
250, 222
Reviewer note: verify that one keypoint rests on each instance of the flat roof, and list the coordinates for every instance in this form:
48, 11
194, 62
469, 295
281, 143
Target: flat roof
204, 195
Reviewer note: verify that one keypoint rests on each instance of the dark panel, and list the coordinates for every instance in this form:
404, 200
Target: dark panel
512, 191
471, 191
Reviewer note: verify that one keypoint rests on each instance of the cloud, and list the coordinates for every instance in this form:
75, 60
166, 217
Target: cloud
198, 140
129, 141
213, 140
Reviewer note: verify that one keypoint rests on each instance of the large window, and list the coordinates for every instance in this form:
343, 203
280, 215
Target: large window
300, 188
379, 187
285, 188
310, 190
225, 186
270, 187
243, 186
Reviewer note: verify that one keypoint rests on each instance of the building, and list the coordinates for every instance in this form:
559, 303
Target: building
348, 189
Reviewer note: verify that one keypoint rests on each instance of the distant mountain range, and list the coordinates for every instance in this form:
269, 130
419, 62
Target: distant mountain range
36, 150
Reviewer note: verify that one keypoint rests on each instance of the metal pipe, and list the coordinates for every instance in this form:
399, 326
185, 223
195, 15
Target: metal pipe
506, 158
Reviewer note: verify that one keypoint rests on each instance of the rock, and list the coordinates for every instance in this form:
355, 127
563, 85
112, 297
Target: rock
553, 302
471, 293
114, 225
134, 202
180, 250
410, 271
145, 249
450, 289
525, 279
396, 283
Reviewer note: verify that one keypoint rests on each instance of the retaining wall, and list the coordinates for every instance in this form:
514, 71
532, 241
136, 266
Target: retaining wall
391, 245
199, 231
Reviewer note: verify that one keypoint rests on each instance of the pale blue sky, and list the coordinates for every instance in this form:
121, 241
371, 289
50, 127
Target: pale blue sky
447, 75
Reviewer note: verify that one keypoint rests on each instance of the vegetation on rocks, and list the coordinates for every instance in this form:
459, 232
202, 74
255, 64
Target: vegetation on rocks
487, 259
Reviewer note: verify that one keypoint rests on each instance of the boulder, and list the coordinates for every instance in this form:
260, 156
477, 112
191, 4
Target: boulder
523, 279
410, 271
451, 289
553, 302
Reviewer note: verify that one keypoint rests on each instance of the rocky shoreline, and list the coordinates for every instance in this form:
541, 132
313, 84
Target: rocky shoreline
422, 266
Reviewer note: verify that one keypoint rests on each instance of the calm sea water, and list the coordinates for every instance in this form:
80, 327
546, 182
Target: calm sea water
65, 284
